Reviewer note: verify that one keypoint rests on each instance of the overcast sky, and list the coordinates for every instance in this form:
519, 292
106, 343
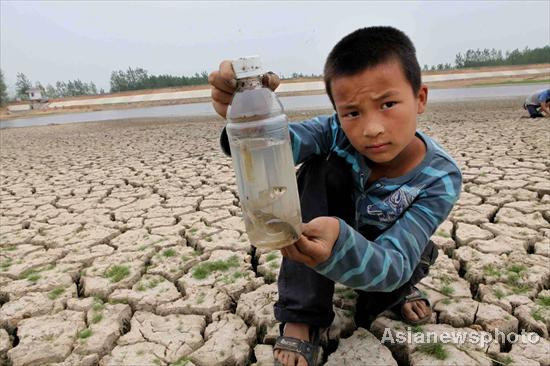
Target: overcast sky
51, 41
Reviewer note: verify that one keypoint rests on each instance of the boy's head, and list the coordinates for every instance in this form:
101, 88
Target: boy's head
369, 47
373, 80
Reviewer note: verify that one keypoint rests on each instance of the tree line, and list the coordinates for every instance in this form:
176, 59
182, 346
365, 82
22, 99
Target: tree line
139, 78
61, 89
494, 57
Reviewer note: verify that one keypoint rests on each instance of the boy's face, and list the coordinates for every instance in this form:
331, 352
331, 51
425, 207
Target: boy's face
377, 110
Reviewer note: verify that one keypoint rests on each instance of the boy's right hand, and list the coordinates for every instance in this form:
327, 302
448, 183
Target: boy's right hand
223, 85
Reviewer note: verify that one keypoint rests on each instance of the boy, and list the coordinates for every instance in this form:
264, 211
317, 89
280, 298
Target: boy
537, 103
372, 191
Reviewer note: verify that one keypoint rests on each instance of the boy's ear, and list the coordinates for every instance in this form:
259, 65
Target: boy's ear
422, 98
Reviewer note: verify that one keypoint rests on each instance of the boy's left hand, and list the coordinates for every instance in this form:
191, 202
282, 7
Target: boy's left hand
316, 243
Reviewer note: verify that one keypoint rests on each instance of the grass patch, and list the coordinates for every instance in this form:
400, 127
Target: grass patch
517, 268
346, 293
200, 298
490, 270
271, 256
417, 329
446, 301
445, 279
502, 360
55, 293
348, 313
204, 270
520, 288
5, 264
499, 294
148, 284
269, 277
118, 301
182, 361
447, 290
85, 333
513, 279
29, 272
443, 234
536, 314
117, 273
98, 305
96, 318
33, 277
169, 253
435, 350
544, 301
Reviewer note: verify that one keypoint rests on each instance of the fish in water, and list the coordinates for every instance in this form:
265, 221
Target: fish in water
268, 196
276, 229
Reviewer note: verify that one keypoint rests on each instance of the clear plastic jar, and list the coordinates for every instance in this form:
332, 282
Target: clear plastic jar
262, 158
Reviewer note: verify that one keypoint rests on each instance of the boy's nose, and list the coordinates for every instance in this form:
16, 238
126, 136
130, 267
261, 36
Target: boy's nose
372, 128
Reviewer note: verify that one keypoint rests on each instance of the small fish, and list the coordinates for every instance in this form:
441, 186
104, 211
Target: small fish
279, 232
273, 226
268, 196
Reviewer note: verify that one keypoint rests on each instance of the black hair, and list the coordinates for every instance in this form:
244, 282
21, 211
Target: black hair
369, 47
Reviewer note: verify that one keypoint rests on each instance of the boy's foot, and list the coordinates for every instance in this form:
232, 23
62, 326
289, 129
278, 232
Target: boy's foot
289, 358
416, 308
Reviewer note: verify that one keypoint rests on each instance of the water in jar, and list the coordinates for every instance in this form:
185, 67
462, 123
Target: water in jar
268, 195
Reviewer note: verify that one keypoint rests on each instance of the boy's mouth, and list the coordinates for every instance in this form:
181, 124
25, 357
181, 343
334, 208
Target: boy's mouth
375, 147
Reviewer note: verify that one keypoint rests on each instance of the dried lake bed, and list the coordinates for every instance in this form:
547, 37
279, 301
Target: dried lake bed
121, 243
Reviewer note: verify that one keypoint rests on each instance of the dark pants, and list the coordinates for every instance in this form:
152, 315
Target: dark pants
534, 110
325, 187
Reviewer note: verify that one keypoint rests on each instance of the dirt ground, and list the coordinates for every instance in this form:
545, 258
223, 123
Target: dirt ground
121, 243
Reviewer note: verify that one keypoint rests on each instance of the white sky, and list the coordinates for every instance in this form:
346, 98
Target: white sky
50, 41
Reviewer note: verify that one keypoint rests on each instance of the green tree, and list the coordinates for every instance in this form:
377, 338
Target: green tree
51, 92
3, 93
22, 86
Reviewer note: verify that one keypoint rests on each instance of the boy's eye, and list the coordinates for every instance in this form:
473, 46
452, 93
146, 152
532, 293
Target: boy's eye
351, 114
388, 105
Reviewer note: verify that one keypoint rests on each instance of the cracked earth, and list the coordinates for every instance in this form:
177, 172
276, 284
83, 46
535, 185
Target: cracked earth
122, 244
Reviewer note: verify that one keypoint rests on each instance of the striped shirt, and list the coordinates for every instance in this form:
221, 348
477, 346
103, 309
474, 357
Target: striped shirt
397, 215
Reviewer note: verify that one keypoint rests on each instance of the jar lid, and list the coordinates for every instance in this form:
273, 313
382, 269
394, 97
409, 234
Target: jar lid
248, 66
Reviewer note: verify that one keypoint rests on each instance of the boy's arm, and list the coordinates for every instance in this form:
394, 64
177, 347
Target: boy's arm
389, 261
316, 136
545, 107
544, 103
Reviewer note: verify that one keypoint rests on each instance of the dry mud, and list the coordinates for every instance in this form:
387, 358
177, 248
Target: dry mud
122, 244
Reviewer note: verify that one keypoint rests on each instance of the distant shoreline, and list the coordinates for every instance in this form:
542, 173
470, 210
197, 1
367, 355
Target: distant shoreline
480, 82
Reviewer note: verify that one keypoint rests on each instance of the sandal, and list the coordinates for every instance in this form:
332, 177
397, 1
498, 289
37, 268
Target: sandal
415, 295
308, 350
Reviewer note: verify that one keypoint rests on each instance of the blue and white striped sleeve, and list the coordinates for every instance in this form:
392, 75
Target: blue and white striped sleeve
316, 136
388, 262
